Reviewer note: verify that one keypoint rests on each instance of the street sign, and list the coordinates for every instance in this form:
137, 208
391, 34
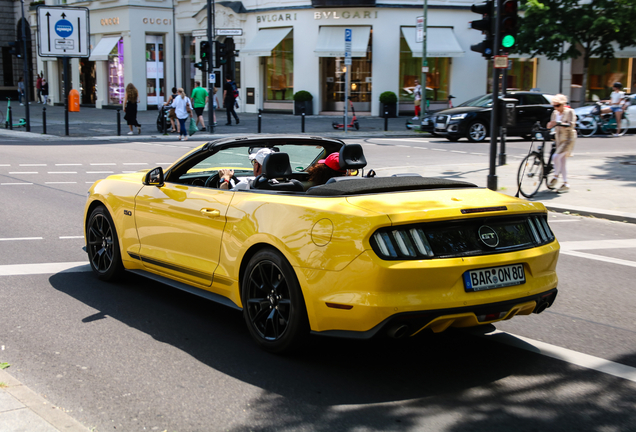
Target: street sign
419, 29
63, 31
212, 79
501, 62
199, 33
229, 32
348, 34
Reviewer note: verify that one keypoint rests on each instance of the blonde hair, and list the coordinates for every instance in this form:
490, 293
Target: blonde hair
180, 90
560, 98
131, 93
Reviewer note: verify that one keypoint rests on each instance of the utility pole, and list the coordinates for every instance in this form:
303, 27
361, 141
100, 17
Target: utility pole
424, 100
211, 35
25, 64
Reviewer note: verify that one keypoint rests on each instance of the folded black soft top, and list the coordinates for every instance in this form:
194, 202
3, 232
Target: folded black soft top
360, 186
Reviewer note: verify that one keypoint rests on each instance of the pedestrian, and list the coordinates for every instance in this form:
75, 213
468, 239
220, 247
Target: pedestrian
131, 99
172, 115
38, 86
215, 104
20, 90
417, 93
200, 98
230, 93
45, 91
616, 105
183, 109
564, 120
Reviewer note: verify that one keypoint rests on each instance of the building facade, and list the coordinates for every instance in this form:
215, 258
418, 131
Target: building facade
287, 46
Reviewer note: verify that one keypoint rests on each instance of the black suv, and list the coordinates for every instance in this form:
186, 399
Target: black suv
471, 119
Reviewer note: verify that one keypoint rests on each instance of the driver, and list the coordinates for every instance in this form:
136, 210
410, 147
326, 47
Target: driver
227, 175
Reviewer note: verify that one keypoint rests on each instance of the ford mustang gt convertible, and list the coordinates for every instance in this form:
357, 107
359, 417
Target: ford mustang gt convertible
355, 257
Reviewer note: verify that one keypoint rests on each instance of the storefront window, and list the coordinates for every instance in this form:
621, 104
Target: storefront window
437, 78
280, 70
601, 76
521, 76
155, 85
188, 59
116, 87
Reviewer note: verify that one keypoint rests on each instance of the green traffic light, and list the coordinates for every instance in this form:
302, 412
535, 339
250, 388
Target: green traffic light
508, 41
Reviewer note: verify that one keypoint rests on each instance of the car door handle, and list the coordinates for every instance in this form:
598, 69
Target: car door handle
210, 213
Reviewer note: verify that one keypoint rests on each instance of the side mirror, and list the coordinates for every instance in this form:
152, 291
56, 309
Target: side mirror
154, 177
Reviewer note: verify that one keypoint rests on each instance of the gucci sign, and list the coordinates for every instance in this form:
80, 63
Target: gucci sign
164, 21
109, 21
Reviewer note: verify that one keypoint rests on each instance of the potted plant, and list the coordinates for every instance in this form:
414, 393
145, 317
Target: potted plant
303, 99
388, 103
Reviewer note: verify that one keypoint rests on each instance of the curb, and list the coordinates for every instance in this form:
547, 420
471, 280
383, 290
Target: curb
588, 211
34, 404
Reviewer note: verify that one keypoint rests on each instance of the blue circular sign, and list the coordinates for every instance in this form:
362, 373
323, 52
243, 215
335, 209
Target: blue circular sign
64, 28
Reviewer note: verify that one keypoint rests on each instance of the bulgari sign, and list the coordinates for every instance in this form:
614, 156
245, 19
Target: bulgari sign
345, 14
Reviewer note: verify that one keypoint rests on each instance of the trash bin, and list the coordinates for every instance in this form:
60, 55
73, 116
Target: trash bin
576, 95
508, 110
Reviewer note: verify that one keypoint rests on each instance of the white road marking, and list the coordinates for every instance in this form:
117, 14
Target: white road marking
62, 172
60, 182
600, 258
105, 163
21, 238
14, 184
69, 164
71, 237
5, 165
136, 163
32, 165
439, 149
100, 172
23, 172
479, 154
566, 355
564, 220
598, 244
45, 268
458, 151
400, 139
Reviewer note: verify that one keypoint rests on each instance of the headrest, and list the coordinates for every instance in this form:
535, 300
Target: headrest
352, 157
276, 165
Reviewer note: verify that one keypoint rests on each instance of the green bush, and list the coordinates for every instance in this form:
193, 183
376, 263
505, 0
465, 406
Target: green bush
388, 98
303, 96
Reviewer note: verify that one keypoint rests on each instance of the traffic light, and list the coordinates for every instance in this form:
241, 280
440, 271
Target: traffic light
204, 48
485, 25
508, 24
229, 47
16, 49
221, 54
200, 65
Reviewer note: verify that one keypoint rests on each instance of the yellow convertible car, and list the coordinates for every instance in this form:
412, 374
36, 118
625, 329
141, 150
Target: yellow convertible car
355, 257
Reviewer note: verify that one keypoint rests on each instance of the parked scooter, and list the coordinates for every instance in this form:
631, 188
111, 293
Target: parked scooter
354, 120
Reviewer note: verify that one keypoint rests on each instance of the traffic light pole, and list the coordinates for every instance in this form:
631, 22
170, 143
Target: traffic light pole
25, 63
424, 100
210, 32
494, 118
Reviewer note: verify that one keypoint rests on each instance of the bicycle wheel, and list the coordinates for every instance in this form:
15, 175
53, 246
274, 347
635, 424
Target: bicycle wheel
586, 126
530, 175
611, 128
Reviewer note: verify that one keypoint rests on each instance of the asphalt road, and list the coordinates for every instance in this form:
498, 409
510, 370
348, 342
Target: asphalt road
138, 355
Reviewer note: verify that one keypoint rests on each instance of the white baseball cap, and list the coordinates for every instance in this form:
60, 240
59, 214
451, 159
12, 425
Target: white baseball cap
260, 155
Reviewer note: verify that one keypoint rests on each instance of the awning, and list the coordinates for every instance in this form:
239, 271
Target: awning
440, 42
265, 41
103, 48
331, 41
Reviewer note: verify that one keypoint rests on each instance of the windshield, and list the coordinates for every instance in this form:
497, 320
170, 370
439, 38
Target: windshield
481, 101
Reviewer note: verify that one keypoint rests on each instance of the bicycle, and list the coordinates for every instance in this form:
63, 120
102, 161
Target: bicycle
588, 124
533, 168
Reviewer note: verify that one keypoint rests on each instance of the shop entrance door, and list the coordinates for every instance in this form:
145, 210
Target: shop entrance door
155, 82
87, 82
333, 79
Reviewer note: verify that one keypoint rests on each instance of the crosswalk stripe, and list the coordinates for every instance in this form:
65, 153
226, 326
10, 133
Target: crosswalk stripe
44, 268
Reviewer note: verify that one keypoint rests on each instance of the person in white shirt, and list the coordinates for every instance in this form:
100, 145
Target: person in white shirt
417, 93
616, 105
182, 109
257, 159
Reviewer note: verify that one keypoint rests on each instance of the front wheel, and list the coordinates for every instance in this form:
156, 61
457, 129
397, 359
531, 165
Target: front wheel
586, 126
477, 132
530, 175
103, 245
273, 303
624, 126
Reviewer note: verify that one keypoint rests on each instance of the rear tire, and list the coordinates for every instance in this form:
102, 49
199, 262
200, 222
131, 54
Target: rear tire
477, 132
530, 175
624, 127
586, 126
102, 245
273, 304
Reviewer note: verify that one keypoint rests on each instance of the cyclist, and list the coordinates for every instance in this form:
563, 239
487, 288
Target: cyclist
564, 119
616, 105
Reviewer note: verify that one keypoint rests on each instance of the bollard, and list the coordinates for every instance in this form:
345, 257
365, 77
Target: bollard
302, 121
44, 120
118, 121
10, 118
386, 121
260, 114
164, 126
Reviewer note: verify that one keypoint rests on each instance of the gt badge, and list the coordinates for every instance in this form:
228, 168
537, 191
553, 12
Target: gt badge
488, 236
127, 213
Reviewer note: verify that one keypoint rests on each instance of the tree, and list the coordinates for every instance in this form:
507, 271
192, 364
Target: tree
567, 29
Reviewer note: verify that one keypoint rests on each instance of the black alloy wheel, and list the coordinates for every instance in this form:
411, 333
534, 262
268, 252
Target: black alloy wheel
103, 245
273, 304
477, 131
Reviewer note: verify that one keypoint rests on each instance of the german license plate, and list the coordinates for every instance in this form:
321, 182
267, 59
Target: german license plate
494, 277
440, 126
